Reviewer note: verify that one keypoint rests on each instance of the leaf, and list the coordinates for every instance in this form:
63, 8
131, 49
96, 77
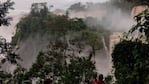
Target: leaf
138, 18
3, 60
141, 30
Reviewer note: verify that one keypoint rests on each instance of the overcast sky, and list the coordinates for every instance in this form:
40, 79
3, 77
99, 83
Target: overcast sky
62, 4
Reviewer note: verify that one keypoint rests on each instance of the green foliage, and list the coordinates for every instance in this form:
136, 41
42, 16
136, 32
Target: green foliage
130, 56
36, 23
128, 4
4, 75
39, 9
18, 75
140, 2
79, 69
77, 7
6, 48
142, 25
55, 62
7, 51
4, 8
62, 60
4, 20
88, 37
131, 62
108, 79
91, 38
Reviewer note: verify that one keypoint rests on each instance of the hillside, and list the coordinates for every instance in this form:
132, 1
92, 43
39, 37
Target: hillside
35, 31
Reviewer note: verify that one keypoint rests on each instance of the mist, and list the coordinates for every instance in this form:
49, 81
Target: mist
108, 17
104, 15
30, 48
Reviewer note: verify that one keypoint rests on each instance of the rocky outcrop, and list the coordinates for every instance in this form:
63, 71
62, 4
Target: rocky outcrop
138, 9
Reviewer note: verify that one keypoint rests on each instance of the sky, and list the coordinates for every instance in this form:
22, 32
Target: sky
23, 5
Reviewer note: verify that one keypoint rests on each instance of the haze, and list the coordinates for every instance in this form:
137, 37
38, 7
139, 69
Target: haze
63, 4
23, 6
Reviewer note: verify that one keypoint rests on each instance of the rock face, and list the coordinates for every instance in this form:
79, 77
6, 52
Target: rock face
138, 9
114, 39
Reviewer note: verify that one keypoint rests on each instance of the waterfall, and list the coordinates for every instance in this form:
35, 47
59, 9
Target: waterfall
104, 46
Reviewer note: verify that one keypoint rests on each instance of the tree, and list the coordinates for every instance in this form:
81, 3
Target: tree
131, 65
131, 2
63, 59
55, 62
88, 37
139, 2
7, 52
18, 75
39, 9
77, 7
130, 56
6, 48
4, 8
